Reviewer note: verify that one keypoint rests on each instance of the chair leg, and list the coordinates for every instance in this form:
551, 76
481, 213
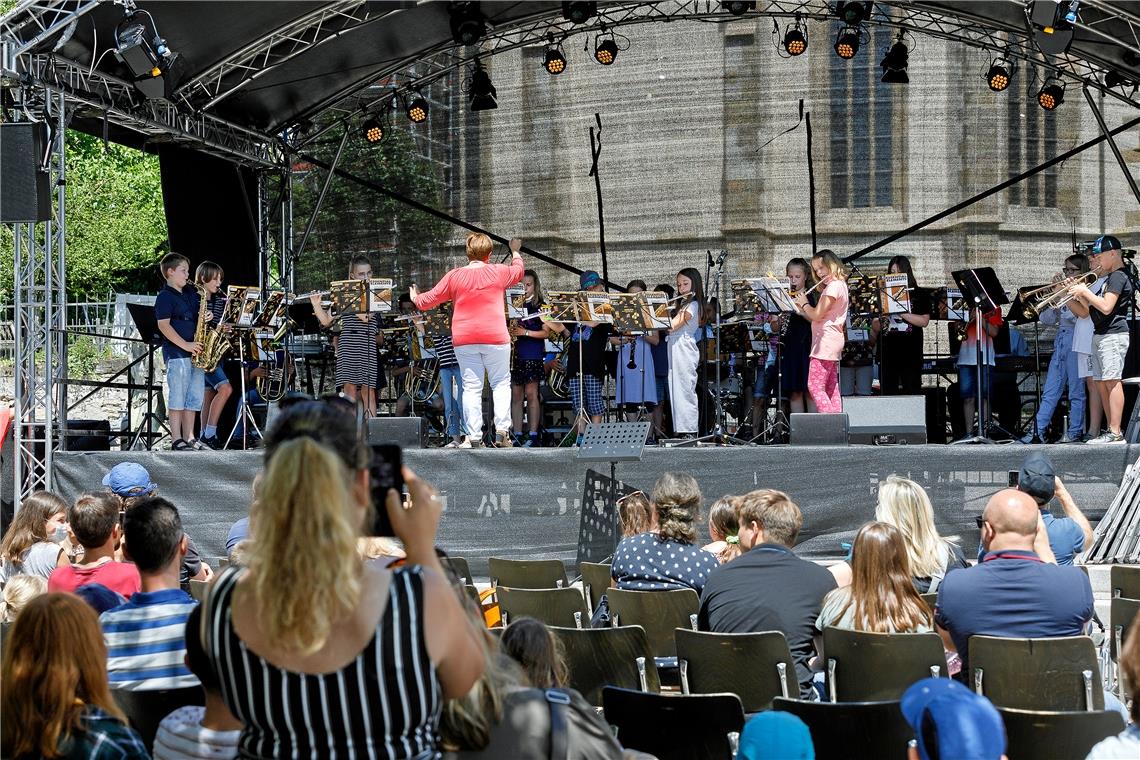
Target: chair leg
831, 690
684, 666
641, 674
782, 671
1088, 677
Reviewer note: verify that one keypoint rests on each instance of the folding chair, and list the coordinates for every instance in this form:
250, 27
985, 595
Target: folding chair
595, 582
597, 657
146, 709
658, 612
553, 606
1034, 734
461, 569
852, 730
756, 667
1122, 613
1037, 674
1124, 580
673, 727
527, 573
872, 667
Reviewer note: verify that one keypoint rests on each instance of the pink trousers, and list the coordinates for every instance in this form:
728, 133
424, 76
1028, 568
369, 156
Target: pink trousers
823, 385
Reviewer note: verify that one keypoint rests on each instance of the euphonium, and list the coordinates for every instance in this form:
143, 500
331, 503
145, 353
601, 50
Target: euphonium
214, 344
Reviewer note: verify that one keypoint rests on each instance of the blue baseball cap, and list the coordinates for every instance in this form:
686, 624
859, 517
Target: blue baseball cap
776, 735
129, 479
589, 279
966, 725
1105, 243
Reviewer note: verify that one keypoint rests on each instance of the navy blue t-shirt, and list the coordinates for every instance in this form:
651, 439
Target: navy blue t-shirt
646, 562
1066, 538
181, 308
527, 347
1013, 593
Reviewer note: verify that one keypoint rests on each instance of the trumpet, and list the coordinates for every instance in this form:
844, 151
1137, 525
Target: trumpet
1056, 294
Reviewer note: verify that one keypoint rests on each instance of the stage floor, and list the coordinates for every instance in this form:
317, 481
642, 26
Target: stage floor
526, 502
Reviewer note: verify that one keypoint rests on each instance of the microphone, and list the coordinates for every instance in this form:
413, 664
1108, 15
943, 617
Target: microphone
723, 255
708, 258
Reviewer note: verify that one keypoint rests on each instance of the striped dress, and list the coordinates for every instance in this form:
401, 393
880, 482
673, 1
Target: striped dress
356, 359
384, 704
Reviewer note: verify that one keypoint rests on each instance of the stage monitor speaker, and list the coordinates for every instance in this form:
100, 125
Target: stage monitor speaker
25, 191
405, 432
886, 420
818, 430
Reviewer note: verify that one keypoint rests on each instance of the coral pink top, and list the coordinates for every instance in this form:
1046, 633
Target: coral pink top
829, 334
479, 294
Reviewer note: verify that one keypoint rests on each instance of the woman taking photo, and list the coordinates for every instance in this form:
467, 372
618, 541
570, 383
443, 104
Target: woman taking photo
828, 318
366, 655
527, 369
684, 356
32, 544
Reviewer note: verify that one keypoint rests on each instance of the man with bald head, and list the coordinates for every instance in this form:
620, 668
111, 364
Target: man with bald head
1011, 591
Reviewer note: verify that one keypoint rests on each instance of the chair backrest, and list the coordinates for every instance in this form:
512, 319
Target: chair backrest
1121, 614
146, 709
931, 599
553, 606
595, 581
199, 590
872, 667
461, 569
597, 657
1037, 674
1032, 734
658, 612
756, 667
527, 573
669, 726
1124, 580
852, 730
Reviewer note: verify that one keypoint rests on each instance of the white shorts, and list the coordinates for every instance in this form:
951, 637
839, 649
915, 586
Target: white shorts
1108, 354
1084, 365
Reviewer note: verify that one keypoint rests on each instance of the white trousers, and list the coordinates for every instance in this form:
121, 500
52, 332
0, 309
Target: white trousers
495, 360
684, 357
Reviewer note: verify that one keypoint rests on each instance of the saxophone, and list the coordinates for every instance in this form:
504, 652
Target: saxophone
214, 344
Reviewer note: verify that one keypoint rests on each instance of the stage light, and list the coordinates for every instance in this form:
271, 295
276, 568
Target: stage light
738, 8
482, 94
372, 130
467, 23
605, 49
853, 14
579, 13
894, 64
1000, 75
795, 40
554, 59
847, 42
417, 109
1051, 94
145, 54
1116, 79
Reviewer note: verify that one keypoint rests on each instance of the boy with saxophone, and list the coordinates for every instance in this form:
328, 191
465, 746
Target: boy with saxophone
176, 309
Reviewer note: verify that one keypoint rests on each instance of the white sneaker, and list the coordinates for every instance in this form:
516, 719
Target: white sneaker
1107, 437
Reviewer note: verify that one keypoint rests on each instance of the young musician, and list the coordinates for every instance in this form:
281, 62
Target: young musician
795, 340
527, 372
356, 359
1109, 309
176, 309
450, 387
1083, 350
899, 341
684, 356
586, 360
637, 385
970, 376
661, 368
827, 318
208, 276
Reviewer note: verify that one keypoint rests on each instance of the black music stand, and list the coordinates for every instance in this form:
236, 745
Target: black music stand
614, 442
983, 291
147, 325
1021, 314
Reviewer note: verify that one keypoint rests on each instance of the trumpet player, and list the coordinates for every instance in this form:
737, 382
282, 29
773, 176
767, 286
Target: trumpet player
1063, 366
1109, 309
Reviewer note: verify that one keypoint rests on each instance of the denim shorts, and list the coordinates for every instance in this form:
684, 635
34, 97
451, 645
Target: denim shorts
967, 380
185, 385
216, 378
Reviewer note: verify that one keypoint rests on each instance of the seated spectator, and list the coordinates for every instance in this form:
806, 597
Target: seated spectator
367, 654
195, 731
1069, 535
239, 532
531, 644
146, 636
666, 556
723, 530
1012, 591
635, 514
55, 701
1126, 744
99, 597
905, 505
31, 546
768, 588
775, 735
380, 551
18, 591
94, 520
881, 597
950, 722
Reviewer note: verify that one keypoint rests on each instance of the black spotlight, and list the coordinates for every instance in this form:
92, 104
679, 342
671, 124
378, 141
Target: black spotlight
1116, 79
145, 54
417, 109
1051, 94
795, 40
554, 59
605, 49
738, 8
467, 23
482, 94
579, 13
372, 130
847, 42
894, 64
853, 13
1000, 75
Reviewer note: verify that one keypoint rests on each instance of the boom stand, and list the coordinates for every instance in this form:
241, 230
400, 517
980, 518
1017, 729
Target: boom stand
981, 288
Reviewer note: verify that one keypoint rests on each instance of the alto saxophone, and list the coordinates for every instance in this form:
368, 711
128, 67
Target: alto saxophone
214, 344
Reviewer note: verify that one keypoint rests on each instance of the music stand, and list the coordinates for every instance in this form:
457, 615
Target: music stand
614, 442
1021, 314
147, 325
630, 316
776, 300
982, 289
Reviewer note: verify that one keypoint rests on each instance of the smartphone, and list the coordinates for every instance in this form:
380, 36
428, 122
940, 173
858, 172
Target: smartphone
1014, 478
386, 473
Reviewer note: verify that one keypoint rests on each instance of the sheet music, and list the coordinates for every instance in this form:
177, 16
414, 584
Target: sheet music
657, 310
775, 295
956, 309
516, 301
894, 293
380, 294
598, 307
273, 310
565, 306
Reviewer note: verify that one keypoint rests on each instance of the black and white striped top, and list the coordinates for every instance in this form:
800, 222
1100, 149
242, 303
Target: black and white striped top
443, 348
384, 704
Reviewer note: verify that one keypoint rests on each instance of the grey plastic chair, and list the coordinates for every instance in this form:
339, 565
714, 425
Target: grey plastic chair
553, 606
598, 657
872, 667
1037, 674
757, 667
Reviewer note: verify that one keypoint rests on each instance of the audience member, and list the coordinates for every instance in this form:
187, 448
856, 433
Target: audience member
380, 551
31, 545
99, 597
94, 520
18, 591
239, 532
768, 588
905, 505
635, 514
55, 701
723, 530
1012, 591
666, 556
1069, 535
369, 655
531, 644
1126, 744
775, 735
192, 732
951, 722
146, 636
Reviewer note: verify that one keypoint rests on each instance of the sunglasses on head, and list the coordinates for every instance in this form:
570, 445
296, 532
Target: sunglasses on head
630, 495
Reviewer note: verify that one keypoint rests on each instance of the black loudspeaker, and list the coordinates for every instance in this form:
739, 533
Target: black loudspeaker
405, 432
818, 430
25, 191
88, 435
886, 420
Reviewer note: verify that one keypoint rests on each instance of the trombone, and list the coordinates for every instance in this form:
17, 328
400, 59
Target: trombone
1056, 294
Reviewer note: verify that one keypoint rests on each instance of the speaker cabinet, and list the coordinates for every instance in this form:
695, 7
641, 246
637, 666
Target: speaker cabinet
886, 420
405, 432
818, 430
25, 192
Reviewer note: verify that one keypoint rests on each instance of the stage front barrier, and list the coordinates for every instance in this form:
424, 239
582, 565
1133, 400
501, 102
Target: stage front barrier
527, 503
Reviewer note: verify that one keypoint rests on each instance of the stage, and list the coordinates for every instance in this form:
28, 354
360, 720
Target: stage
525, 503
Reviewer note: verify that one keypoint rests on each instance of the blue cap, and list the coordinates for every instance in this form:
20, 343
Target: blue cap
99, 597
1105, 243
966, 725
776, 735
129, 479
589, 279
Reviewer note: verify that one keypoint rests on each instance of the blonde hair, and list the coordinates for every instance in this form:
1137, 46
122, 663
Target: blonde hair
18, 591
834, 266
479, 246
905, 505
